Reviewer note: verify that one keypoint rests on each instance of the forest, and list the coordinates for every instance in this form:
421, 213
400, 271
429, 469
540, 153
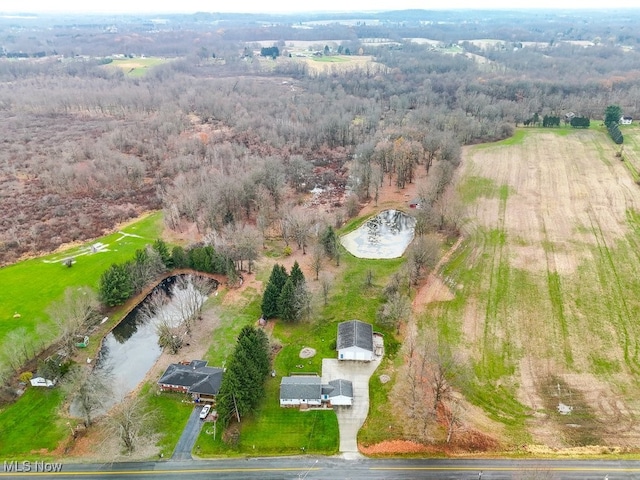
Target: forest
225, 123
86, 146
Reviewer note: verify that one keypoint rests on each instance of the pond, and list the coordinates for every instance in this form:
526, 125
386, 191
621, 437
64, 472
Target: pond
387, 235
130, 350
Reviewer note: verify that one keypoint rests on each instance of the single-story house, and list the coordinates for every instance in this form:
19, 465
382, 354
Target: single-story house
301, 390
195, 378
308, 391
626, 120
338, 392
355, 341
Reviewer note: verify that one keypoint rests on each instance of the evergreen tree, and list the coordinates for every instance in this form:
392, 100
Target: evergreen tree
286, 306
179, 257
272, 291
161, 247
243, 382
296, 274
612, 115
329, 241
115, 285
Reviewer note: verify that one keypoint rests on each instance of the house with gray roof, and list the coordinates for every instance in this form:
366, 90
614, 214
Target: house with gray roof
307, 391
301, 391
355, 341
338, 392
195, 378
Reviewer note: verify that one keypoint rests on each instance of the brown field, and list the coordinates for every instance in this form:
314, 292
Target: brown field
547, 307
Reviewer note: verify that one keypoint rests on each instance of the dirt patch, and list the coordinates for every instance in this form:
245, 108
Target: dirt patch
396, 447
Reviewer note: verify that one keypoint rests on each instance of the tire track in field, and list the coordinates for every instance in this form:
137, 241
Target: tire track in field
619, 313
556, 297
498, 295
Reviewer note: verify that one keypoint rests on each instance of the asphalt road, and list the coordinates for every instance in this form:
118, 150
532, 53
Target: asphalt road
334, 468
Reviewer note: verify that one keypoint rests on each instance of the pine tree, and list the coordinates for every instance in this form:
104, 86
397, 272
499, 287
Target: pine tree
286, 307
115, 285
296, 274
179, 257
329, 241
272, 291
243, 382
161, 247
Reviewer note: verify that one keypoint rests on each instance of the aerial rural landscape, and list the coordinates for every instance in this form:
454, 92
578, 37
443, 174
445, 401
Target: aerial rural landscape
395, 234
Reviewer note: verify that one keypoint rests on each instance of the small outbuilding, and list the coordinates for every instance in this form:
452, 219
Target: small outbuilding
41, 382
626, 120
355, 341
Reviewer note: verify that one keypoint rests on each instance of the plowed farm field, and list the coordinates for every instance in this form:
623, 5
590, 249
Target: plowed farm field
546, 313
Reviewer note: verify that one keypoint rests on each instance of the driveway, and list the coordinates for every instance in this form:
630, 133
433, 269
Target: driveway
189, 436
350, 419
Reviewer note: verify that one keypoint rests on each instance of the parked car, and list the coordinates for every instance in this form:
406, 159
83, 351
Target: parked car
205, 411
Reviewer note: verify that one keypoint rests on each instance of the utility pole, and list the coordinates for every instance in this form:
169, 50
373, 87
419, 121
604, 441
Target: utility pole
235, 405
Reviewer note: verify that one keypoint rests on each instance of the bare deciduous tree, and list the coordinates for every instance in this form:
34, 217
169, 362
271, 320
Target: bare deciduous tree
422, 255
87, 389
396, 310
316, 259
129, 421
73, 313
326, 282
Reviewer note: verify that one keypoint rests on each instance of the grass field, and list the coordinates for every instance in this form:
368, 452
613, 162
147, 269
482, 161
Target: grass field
29, 287
33, 422
546, 308
136, 67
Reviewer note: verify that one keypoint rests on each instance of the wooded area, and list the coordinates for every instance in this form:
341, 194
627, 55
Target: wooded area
219, 137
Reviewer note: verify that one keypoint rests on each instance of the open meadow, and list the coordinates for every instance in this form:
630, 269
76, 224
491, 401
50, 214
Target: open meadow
136, 67
546, 308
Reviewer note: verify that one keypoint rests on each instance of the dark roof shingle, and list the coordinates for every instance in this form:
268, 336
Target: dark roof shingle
355, 333
196, 376
301, 387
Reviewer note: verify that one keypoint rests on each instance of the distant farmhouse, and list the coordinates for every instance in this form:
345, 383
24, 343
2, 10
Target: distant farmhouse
195, 378
355, 341
307, 391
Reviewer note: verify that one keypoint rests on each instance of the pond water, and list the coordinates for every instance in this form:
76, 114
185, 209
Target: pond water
131, 348
387, 235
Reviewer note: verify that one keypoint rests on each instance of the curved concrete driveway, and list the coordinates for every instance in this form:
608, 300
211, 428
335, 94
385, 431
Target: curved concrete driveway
350, 419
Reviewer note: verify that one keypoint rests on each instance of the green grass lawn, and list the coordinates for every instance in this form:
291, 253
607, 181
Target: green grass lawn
29, 287
170, 415
137, 67
31, 424
330, 59
276, 431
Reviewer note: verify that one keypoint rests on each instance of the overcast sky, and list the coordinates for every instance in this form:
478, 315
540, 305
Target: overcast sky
279, 6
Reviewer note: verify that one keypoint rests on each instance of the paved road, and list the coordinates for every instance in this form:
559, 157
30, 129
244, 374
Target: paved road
317, 468
350, 419
189, 436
